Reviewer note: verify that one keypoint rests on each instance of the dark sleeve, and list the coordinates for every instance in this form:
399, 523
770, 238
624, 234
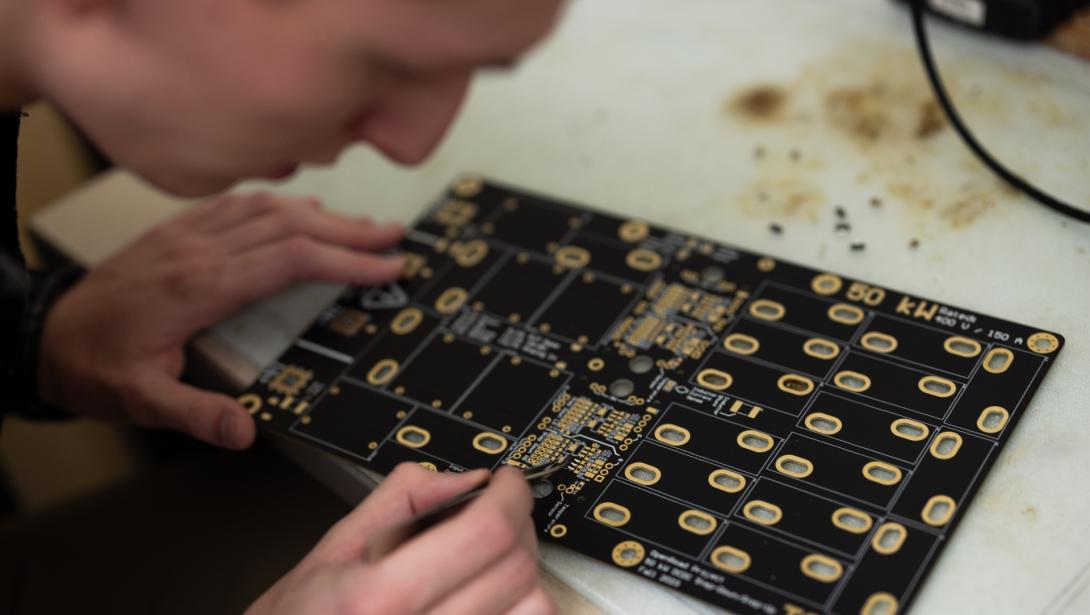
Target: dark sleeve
26, 299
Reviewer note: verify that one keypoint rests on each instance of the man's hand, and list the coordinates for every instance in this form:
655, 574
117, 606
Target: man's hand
113, 345
481, 561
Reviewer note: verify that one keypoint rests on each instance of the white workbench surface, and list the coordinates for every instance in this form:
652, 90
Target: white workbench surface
628, 108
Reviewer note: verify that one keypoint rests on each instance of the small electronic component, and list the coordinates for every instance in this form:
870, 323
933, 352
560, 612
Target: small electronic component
757, 434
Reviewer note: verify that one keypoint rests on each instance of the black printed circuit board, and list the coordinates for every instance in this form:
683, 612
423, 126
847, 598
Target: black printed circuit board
763, 436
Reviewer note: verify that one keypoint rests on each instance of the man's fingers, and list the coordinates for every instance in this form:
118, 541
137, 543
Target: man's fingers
322, 226
537, 602
231, 210
210, 417
495, 590
482, 534
275, 266
408, 490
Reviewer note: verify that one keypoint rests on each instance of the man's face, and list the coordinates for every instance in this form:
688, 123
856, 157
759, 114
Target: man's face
195, 95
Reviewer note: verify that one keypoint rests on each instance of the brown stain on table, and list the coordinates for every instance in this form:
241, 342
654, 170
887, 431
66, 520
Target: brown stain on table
879, 102
758, 103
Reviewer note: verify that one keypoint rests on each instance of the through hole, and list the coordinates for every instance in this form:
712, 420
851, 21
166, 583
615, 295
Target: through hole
741, 343
1043, 343
767, 309
697, 522
728, 481
962, 346
642, 473
998, 360
826, 284
946, 445
882, 473
489, 443
412, 436
822, 349
910, 430
762, 512
672, 434
889, 538
822, 568
852, 381
846, 314
796, 385
794, 466
622, 387
714, 379
382, 372
938, 510
823, 423
939, 387
730, 559
852, 520
879, 342
754, 441
880, 603
612, 514
450, 300
641, 364
993, 419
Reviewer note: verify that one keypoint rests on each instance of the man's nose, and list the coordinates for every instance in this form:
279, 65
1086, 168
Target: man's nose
411, 119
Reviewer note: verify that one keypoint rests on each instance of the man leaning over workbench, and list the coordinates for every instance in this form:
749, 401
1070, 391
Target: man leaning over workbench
194, 95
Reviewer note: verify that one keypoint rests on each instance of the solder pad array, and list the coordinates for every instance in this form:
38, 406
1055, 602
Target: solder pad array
757, 434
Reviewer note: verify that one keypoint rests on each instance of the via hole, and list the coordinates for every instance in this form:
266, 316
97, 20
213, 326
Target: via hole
641, 364
622, 387
542, 488
712, 274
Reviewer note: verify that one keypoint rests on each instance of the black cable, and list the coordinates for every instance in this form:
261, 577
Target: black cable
1009, 176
